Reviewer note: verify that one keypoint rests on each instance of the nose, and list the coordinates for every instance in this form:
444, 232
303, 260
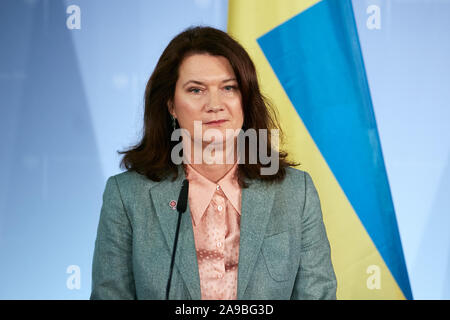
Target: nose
215, 104
214, 108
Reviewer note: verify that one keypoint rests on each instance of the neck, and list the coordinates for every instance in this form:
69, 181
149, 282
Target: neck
213, 172
214, 162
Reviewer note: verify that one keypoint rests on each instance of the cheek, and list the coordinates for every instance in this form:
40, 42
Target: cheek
186, 111
187, 114
238, 114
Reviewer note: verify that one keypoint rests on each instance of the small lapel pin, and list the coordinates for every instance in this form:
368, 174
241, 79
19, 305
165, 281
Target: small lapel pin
173, 204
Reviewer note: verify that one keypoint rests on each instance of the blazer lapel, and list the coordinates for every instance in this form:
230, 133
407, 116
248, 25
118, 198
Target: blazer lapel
257, 202
186, 257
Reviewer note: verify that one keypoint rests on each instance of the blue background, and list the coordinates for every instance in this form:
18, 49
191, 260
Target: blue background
69, 99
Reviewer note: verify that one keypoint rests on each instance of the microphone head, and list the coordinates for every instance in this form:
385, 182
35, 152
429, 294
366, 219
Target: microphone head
183, 197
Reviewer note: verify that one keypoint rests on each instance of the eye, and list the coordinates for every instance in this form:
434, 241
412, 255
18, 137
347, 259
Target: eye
230, 88
195, 90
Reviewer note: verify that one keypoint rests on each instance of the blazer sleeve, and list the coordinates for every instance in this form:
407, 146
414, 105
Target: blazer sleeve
315, 278
112, 274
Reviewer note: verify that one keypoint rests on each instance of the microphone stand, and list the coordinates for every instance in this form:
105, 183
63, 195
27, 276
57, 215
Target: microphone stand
181, 208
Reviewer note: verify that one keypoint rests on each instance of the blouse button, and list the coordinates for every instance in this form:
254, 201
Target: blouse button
220, 276
220, 208
219, 244
217, 187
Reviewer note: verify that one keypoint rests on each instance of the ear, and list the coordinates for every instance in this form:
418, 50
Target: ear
171, 108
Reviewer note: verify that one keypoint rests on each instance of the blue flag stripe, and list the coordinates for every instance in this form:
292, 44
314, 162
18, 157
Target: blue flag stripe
317, 58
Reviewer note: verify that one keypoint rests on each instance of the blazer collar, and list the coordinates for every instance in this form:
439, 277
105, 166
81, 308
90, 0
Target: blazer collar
162, 194
257, 202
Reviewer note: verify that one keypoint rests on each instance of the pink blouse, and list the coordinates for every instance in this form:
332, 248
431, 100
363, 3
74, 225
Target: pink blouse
215, 210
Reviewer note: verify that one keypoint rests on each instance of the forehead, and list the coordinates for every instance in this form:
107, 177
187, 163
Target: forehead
205, 67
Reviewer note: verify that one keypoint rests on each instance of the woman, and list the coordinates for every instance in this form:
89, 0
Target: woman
253, 228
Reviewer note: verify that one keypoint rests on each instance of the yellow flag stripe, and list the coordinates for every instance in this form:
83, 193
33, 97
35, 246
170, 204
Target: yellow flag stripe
353, 252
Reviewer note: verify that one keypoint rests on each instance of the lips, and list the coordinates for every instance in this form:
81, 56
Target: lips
215, 122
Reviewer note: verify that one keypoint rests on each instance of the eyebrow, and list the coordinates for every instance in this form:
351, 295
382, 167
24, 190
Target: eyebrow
199, 82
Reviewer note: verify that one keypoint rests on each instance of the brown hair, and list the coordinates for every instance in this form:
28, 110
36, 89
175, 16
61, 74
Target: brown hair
151, 156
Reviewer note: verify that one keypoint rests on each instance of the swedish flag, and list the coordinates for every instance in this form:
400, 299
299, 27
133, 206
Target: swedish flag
309, 63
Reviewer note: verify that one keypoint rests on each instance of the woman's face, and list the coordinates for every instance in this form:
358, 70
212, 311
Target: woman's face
207, 91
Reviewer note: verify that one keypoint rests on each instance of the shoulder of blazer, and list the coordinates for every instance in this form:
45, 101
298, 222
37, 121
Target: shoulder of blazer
294, 185
132, 177
295, 178
294, 172
132, 183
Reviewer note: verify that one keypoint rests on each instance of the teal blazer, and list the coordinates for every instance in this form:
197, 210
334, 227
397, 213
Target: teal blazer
284, 251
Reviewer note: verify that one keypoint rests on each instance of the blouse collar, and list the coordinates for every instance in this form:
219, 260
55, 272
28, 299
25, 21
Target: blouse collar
202, 190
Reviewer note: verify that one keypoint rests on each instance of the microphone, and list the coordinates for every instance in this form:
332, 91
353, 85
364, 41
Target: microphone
181, 208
